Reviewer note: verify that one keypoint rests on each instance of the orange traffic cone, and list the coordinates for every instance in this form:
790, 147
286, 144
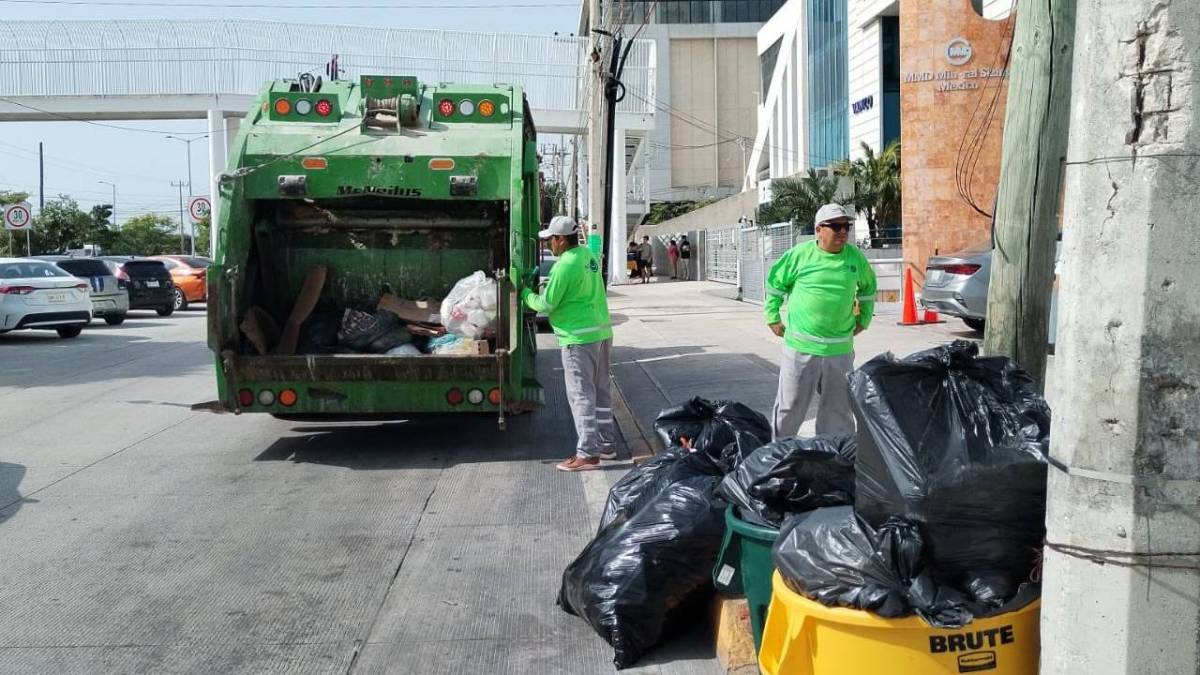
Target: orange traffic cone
908, 316
931, 317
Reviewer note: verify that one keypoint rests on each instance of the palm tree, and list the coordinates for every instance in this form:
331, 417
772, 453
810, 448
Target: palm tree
796, 200
877, 187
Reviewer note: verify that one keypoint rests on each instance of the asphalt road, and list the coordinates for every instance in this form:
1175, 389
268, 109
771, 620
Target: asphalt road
138, 536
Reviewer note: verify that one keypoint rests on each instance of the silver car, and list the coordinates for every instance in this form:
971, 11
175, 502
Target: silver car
37, 294
957, 285
110, 300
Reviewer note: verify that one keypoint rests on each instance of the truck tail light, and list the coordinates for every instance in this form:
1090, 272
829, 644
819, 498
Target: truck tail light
446, 107
454, 396
494, 396
487, 108
266, 397
246, 398
287, 398
282, 106
475, 396
324, 107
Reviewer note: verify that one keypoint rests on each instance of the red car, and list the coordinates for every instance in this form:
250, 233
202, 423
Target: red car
189, 274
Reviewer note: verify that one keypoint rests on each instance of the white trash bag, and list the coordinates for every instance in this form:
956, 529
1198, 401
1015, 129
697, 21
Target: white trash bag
470, 308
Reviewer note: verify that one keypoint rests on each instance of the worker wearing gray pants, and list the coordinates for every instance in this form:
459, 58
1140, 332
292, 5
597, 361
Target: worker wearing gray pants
801, 376
587, 376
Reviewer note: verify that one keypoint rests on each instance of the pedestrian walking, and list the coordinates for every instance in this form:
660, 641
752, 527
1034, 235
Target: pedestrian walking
685, 258
830, 292
646, 255
631, 260
576, 303
673, 259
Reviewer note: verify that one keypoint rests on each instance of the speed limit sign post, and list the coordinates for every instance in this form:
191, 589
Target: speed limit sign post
18, 217
199, 208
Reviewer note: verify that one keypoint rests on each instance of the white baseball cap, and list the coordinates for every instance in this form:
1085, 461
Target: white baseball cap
832, 212
562, 226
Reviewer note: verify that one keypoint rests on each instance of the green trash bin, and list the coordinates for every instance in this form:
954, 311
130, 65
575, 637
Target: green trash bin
745, 567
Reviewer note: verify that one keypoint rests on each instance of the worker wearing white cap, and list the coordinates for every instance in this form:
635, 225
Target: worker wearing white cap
577, 304
829, 287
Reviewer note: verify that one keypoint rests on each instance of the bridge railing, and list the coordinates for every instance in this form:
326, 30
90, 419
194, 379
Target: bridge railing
149, 58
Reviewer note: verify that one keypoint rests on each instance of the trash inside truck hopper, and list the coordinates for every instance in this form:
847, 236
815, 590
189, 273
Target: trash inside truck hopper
364, 203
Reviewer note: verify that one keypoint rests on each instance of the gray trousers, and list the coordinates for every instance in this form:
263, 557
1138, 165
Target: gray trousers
586, 371
685, 268
801, 376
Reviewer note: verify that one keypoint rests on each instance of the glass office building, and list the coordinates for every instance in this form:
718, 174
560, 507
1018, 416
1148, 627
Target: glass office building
828, 82
889, 27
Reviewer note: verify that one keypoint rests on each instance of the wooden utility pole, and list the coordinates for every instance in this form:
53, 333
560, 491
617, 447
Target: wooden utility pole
1031, 173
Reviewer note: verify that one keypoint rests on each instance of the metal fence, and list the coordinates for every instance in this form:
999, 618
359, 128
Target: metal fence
172, 57
721, 254
759, 249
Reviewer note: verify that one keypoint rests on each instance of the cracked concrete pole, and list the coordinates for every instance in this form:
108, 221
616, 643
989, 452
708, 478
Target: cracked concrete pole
1121, 578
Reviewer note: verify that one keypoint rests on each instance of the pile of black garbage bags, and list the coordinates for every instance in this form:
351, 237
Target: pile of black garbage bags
935, 507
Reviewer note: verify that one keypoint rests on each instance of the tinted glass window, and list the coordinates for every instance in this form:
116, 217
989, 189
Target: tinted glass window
25, 270
145, 268
85, 268
198, 263
169, 264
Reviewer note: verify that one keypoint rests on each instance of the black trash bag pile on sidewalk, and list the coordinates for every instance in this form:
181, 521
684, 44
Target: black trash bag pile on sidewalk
727, 431
646, 574
792, 475
950, 496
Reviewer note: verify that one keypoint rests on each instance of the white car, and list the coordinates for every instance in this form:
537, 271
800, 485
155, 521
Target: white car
38, 294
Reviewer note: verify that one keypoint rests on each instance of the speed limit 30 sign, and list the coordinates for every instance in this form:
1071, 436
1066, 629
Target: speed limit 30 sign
17, 217
199, 208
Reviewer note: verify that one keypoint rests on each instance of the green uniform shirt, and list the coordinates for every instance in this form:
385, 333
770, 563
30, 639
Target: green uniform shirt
821, 288
575, 299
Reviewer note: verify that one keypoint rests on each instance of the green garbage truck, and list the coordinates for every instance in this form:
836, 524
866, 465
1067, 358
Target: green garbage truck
348, 213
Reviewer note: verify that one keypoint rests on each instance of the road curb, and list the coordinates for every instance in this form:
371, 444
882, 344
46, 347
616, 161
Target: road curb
641, 444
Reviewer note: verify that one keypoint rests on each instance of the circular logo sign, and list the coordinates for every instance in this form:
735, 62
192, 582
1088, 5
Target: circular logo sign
959, 52
16, 217
199, 208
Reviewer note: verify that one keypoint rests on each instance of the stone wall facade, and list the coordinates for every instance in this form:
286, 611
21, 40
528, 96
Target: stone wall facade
953, 89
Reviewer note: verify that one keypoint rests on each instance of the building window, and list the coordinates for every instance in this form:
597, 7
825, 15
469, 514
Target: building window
828, 87
703, 11
767, 62
889, 28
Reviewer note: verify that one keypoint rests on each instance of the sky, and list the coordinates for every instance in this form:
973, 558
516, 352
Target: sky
143, 165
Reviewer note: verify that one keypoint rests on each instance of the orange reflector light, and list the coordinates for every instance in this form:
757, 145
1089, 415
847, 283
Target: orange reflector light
314, 163
441, 164
487, 108
494, 397
282, 106
287, 397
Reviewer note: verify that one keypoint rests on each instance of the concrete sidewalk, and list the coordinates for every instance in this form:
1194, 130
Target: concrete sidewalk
679, 340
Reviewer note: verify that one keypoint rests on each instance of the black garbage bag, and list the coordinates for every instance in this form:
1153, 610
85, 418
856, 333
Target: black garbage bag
371, 333
319, 333
643, 482
724, 430
646, 575
831, 556
958, 444
792, 475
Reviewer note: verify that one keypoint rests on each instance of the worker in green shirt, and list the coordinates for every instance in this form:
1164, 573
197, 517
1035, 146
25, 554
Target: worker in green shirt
576, 302
830, 293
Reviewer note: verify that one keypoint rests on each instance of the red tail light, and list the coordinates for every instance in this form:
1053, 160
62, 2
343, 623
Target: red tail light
246, 398
454, 396
446, 107
18, 290
965, 269
81, 287
324, 107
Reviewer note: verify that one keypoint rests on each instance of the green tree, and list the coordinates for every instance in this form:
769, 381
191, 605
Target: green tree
796, 200
203, 238
148, 234
877, 187
664, 211
9, 245
61, 226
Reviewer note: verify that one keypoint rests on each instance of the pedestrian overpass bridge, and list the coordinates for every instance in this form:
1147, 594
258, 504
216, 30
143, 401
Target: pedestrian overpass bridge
214, 69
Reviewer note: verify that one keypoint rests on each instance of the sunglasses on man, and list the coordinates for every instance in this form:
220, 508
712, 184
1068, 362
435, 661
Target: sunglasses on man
838, 227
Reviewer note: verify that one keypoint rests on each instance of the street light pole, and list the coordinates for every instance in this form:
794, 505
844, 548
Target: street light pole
114, 201
188, 143
180, 184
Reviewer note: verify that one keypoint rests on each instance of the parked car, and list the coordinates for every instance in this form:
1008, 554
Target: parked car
39, 294
110, 299
147, 280
189, 275
957, 285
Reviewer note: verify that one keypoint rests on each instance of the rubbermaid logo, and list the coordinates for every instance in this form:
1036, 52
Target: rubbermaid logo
977, 662
959, 52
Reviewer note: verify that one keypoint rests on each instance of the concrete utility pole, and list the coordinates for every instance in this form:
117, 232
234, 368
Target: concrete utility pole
1122, 564
182, 245
1026, 219
573, 178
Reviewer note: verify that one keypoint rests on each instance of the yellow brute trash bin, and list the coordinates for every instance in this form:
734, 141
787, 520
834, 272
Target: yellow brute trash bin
804, 637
